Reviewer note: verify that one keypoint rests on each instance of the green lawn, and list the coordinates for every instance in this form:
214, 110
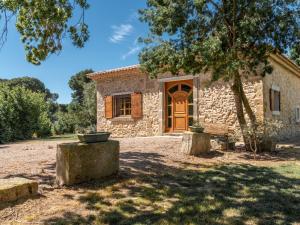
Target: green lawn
224, 194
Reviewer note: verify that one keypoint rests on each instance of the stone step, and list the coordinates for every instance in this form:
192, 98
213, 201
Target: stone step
173, 134
12, 189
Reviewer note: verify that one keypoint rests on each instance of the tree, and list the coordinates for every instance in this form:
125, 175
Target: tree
77, 83
43, 24
22, 113
33, 84
231, 39
85, 112
80, 114
295, 56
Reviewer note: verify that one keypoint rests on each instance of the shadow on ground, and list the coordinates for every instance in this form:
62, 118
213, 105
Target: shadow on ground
275, 156
147, 191
45, 177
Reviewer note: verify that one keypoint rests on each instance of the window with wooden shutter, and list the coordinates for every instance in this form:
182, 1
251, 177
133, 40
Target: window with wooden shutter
297, 114
122, 105
109, 107
271, 99
136, 108
275, 101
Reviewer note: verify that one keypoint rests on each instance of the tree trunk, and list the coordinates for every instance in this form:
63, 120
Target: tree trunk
247, 106
253, 136
239, 109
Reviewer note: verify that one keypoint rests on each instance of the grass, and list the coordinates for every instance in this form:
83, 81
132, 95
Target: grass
219, 194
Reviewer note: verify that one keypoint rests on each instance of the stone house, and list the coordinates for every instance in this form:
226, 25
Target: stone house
129, 103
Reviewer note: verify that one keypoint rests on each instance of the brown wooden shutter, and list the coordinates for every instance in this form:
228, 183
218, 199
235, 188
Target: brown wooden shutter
136, 105
279, 96
271, 99
108, 107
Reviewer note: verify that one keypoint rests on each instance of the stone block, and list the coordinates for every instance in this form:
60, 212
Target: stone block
15, 188
217, 144
195, 143
81, 162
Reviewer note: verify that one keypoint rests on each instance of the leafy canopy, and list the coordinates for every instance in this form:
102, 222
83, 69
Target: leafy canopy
43, 24
219, 35
22, 113
77, 84
33, 84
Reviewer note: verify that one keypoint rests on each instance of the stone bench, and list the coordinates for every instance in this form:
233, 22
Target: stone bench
12, 189
219, 135
81, 162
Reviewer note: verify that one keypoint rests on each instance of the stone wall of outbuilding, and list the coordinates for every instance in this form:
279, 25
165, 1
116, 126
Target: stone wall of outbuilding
289, 84
148, 125
214, 103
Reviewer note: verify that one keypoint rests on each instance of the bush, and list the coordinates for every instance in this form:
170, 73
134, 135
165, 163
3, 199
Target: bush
65, 123
22, 113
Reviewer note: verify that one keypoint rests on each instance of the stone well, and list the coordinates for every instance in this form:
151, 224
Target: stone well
81, 162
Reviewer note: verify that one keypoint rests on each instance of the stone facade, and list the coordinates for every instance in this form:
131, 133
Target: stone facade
289, 85
216, 103
213, 103
126, 126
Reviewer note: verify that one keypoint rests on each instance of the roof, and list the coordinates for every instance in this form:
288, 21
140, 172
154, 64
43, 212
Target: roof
135, 69
116, 71
286, 63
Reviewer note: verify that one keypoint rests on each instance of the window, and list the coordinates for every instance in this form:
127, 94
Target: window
122, 105
298, 114
275, 101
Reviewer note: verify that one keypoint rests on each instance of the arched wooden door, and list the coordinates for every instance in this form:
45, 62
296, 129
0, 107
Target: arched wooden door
179, 106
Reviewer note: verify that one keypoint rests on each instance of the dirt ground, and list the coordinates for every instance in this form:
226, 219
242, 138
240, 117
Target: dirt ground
36, 160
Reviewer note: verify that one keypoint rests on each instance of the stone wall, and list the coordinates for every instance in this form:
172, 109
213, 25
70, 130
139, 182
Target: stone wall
216, 103
289, 84
148, 125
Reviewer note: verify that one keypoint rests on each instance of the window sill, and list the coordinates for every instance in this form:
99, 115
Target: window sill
276, 113
122, 119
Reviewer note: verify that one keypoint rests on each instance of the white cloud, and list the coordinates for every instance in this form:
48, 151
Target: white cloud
131, 52
120, 32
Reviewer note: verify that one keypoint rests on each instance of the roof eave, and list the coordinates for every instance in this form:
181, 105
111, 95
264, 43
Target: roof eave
286, 63
114, 72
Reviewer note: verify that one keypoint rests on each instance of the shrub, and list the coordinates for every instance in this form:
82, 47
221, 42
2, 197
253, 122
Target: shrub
65, 123
22, 113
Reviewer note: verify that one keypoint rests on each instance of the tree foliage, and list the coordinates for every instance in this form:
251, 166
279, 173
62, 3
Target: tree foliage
221, 36
77, 84
80, 114
229, 39
44, 23
22, 114
33, 84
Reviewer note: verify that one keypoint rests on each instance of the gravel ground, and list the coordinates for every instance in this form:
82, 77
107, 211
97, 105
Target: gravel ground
36, 160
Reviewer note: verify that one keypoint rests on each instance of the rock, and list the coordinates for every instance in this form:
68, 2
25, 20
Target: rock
195, 143
15, 188
81, 162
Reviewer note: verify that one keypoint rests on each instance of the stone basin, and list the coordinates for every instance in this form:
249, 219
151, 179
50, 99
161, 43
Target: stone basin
94, 137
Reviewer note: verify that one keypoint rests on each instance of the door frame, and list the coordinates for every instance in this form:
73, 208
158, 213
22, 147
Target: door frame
167, 86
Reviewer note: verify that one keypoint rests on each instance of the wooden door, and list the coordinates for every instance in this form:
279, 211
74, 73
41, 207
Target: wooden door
180, 116
178, 105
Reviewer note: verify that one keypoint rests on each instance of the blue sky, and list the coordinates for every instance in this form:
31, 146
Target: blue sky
114, 28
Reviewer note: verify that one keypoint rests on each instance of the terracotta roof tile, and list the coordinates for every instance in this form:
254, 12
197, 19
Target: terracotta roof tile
96, 75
